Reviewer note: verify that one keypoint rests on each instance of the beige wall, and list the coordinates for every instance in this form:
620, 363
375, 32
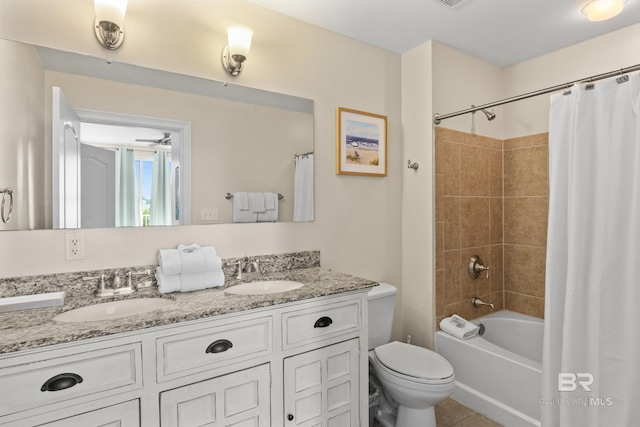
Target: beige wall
235, 146
599, 55
417, 194
358, 225
21, 134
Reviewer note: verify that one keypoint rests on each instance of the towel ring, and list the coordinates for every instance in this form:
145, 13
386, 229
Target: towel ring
3, 214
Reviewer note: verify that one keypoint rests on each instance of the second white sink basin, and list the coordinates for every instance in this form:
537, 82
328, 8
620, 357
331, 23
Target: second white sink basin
113, 309
264, 287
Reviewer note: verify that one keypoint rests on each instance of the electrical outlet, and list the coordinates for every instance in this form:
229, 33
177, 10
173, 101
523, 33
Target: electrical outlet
209, 214
74, 246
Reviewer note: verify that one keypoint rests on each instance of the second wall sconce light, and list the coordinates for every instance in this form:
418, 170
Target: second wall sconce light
109, 23
236, 51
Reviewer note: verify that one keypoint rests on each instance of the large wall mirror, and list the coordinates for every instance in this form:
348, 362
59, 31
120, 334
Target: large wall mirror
213, 138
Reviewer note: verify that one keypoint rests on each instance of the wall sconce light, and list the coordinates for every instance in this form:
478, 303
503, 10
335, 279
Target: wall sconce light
109, 24
601, 10
235, 52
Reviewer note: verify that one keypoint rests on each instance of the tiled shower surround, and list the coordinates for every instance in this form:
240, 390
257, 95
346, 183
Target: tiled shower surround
491, 201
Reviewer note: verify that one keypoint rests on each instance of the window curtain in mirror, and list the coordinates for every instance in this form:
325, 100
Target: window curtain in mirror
160, 213
303, 188
592, 294
127, 209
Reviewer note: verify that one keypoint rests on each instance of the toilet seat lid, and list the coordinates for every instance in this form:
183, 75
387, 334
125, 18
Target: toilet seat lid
414, 361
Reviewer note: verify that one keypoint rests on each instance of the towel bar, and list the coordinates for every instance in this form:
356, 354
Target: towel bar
229, 196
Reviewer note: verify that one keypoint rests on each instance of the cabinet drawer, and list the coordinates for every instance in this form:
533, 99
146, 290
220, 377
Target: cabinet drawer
50, 379
122, 415
187, 353
320, 322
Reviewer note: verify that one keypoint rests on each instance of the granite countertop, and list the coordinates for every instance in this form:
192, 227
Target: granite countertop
29, 329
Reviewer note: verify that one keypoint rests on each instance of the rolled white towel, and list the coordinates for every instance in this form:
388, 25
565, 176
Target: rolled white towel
200, 281
458, 327
170, 261
167, 284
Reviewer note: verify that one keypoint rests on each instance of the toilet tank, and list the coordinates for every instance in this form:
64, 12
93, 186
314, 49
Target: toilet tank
382, 299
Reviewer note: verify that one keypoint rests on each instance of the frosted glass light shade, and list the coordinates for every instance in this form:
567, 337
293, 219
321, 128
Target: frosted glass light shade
600, 10
110, 11
239, 39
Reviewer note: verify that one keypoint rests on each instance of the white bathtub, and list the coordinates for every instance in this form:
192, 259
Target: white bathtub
498, 374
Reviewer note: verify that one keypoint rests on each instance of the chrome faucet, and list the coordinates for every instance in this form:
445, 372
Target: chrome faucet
255, 264
477, 302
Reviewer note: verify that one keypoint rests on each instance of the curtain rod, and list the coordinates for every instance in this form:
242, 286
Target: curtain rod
437, 118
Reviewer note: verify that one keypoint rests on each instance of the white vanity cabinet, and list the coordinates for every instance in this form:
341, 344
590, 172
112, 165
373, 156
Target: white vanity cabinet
122, 415
239, 399
321, 387
297, 364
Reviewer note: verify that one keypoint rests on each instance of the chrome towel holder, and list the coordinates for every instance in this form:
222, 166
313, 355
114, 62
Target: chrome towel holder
4, 215
229, 196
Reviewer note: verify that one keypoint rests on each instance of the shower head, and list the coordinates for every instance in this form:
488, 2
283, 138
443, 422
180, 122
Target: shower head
490, 114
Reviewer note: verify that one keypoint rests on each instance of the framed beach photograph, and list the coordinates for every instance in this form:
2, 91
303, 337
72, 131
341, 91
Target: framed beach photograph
361, 143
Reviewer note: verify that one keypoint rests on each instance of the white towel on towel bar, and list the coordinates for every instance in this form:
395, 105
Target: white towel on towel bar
458, 327
241, 211
256, 202
271, 208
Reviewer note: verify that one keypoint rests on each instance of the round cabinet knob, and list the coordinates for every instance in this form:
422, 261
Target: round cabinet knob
290, 417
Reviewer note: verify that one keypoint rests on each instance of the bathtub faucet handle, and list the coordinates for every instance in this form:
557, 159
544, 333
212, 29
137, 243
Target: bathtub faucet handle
476, 267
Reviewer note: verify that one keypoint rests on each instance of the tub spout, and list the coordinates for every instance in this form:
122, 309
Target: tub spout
477, 302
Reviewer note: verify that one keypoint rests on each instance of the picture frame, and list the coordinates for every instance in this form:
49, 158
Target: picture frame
361, 143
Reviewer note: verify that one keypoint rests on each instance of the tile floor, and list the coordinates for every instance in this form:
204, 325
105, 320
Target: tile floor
450, 413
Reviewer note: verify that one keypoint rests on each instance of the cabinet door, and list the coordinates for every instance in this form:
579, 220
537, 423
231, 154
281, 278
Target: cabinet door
240, 399
321, 387
122, 415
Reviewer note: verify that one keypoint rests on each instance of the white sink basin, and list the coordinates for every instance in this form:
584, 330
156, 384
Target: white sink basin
113, 309
264, 287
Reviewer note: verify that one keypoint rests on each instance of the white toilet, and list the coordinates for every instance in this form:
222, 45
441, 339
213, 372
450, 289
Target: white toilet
415, 377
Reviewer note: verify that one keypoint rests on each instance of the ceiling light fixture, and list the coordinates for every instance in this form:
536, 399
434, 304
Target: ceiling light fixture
235, 52
109, 23
601, 10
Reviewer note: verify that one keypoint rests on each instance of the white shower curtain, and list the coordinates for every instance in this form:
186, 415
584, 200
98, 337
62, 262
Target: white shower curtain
127, 210
160, 211
592, 311
303, 188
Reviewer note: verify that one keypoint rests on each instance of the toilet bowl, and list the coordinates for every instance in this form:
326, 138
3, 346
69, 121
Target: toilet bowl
415, 378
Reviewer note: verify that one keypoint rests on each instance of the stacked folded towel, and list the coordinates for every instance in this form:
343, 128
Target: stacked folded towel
459, 327
188, 268
255, 207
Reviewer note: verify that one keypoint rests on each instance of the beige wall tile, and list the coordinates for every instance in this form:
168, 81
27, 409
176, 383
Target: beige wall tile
525, 304
496, 265
474, 221
497, 299
496, 234
526, 141
439, 292
438, 153
474, 171
525, 220
439, 264
451, 223
439, 198
524, 269
451, 277
451, 158
526, 171
495, 173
